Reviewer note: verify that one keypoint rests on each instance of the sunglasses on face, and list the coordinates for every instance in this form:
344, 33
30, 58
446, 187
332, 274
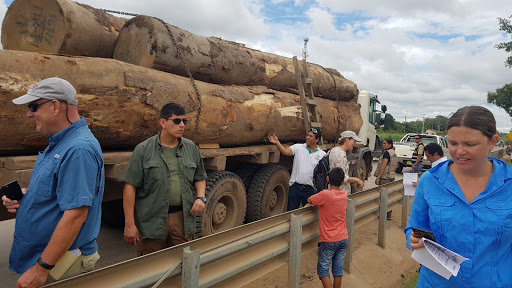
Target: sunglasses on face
177, 120
33, 106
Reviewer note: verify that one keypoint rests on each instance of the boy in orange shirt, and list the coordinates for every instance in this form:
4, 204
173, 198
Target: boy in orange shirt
333, 230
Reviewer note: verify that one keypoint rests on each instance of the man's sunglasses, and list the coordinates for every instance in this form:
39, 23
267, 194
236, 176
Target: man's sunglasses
313, 130
33, 106
178, 120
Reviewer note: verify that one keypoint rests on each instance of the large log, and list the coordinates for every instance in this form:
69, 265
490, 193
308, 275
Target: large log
146, 42
60, 27
121, 104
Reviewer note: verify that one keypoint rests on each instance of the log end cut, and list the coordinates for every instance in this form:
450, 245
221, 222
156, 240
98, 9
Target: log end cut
36, 26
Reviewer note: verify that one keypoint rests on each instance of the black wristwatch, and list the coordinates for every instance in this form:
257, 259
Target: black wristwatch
44, 265
202, 199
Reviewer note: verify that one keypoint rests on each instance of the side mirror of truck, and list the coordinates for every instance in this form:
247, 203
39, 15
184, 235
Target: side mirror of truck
383, 108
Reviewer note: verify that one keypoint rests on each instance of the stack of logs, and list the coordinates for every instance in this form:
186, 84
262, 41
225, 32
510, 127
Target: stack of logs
132, 69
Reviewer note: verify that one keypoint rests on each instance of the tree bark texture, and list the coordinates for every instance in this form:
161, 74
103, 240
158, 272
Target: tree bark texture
146, 42
60, 27
121, 103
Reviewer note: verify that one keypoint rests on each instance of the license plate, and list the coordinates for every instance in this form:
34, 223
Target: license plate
409, 163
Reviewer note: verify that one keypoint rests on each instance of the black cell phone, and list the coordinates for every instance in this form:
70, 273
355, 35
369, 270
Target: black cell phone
424, 234
12, 191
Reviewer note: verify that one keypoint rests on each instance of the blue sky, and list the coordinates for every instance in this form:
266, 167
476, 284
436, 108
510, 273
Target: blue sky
420, 57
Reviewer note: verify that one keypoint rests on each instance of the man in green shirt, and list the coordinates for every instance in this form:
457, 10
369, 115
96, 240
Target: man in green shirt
158, 198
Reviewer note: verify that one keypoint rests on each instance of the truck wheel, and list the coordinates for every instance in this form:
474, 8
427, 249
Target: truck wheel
225, 205
246, 173
399, 168
361, 174
268, 193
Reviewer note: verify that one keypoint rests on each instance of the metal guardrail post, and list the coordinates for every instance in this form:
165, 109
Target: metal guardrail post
295, 251
405, 210
190, 268
350, 221
383, 217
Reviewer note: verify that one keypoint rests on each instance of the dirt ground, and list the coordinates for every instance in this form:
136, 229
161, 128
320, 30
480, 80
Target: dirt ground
372, 266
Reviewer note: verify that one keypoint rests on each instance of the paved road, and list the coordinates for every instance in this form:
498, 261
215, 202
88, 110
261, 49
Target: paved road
112, 248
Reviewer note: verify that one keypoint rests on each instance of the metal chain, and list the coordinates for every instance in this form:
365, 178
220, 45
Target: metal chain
180, 55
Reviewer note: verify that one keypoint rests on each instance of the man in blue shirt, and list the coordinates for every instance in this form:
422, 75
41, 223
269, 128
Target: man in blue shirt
61, 209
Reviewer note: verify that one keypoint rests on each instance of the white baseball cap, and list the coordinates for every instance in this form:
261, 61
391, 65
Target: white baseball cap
349, 134
53, 88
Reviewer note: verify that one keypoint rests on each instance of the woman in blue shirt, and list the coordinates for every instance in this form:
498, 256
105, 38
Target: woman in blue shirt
467, 203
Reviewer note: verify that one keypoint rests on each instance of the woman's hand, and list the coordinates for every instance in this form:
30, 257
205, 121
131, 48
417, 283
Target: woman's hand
415, 242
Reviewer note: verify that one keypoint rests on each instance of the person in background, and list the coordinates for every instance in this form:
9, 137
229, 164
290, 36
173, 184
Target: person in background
333, 229
466, 202
158, 198
417, 155
388, 162
435, 154
305, 157
61, 209
338, 158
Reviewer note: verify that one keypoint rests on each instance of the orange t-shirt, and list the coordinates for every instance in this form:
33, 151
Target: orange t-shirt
333, 213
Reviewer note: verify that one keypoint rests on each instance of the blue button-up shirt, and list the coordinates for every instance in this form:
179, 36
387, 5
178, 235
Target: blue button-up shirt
480, 230
68, 174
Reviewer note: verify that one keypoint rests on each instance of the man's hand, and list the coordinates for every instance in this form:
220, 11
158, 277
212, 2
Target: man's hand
198, 207
414, 184
131, 234
415, 242
34, 277
12, 205
273, 139
360, 183
377, 181
414, 166
309, 205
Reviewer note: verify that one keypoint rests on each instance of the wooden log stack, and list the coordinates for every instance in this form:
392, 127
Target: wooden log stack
121, 101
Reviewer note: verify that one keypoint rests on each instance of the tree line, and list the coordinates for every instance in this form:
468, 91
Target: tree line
437, 123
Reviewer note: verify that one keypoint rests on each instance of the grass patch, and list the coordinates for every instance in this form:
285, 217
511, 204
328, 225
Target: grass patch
395, 136
410, 280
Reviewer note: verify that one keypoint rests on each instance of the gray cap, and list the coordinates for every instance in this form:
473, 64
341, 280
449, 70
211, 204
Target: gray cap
350, 134
52, 89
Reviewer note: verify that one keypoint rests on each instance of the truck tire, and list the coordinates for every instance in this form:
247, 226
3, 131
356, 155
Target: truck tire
268, 193
225, 205
246, 173
399, 168
361, 173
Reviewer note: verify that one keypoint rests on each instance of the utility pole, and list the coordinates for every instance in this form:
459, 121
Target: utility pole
423, 126
405, 124
305, 49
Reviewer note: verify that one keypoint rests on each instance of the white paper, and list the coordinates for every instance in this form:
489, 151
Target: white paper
438, 259
408, 179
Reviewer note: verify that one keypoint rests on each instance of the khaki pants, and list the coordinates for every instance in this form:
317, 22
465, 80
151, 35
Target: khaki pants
175, 235
83, 264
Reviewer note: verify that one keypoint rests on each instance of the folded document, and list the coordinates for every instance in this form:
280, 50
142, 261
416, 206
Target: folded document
438, 258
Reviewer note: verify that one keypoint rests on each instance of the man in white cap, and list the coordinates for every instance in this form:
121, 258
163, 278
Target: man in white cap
61, 210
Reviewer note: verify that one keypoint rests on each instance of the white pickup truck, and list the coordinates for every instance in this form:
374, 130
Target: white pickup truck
406, 146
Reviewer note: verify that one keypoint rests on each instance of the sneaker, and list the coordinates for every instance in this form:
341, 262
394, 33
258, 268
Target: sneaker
389, 214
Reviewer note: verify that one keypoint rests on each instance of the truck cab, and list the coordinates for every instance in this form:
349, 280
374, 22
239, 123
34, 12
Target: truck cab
373, 114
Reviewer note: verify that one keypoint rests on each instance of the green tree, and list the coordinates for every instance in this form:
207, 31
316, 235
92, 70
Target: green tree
389, 122
503, 96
